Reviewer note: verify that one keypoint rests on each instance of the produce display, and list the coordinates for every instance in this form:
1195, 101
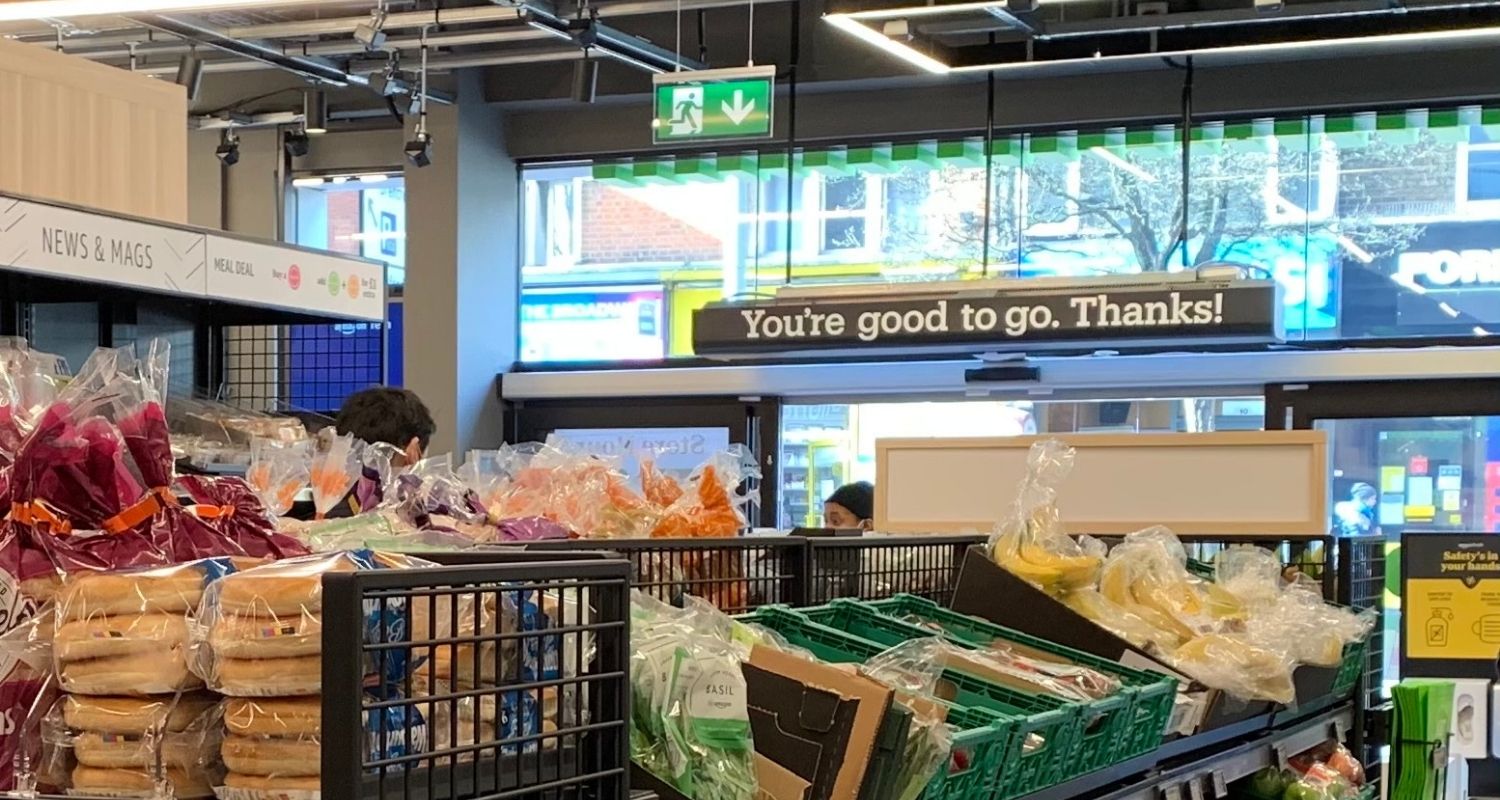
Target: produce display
1243, 632
1327, 772
86, 467
689, 725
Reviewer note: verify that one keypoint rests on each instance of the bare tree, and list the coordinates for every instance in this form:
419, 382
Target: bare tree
1236, 199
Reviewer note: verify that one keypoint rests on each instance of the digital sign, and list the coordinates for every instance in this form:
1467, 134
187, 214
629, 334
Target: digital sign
611, 324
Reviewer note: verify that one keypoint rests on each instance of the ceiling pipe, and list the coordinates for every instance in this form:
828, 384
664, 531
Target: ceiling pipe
339, 48
269, 54
462, 16
434, 64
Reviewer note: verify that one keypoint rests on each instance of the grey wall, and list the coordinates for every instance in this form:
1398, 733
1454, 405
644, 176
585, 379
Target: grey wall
462, 273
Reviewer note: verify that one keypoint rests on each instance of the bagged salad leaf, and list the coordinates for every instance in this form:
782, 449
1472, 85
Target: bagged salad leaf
689, 723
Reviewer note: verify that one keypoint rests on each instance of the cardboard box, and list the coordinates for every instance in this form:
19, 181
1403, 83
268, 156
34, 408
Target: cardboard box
987, 590
815, 726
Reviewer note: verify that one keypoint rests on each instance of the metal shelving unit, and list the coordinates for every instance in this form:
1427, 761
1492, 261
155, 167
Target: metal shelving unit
1202, 767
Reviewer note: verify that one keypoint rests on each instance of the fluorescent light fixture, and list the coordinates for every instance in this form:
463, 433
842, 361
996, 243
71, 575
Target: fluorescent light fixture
307, 183
1423, 38
63, 9
858, 30
339, 180
375, 178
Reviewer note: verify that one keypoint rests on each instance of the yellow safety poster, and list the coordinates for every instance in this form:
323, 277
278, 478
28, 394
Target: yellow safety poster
1451, 605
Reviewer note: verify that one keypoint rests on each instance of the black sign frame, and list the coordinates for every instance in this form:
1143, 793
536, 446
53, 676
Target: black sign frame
1013, 321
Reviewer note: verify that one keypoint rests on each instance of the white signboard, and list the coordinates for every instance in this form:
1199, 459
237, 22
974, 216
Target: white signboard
262, 274
672, 449
61, 242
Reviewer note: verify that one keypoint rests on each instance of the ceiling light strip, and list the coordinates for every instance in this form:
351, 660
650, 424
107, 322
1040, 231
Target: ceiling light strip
910, 55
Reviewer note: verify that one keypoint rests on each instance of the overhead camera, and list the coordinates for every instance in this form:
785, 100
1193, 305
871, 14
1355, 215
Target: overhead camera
371, 33
229, 148
419, 149
296, 143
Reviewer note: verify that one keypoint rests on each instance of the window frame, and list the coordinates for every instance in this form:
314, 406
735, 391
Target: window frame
1464, 208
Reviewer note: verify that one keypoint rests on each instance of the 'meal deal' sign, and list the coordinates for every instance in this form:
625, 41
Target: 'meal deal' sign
1246, 311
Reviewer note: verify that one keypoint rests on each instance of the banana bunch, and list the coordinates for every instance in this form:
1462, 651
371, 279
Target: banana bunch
1055, 573
1227, 662
1093, 605
1136, 585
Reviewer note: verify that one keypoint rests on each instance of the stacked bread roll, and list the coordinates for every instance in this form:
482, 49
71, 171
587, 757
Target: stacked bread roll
265, 633
446, 670
115, 742
122, 652
273, 744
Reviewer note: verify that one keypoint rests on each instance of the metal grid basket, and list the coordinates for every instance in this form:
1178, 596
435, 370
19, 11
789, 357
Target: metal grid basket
513, 681
876, 567
734, 574
1361, 585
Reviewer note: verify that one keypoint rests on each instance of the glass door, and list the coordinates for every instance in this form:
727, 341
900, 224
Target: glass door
1405, 457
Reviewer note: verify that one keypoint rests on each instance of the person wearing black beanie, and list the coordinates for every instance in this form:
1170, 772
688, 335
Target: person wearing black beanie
851, 506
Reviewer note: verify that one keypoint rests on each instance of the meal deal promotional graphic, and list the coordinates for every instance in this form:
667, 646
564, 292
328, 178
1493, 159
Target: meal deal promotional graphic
69, 243
1451, 604
249, 272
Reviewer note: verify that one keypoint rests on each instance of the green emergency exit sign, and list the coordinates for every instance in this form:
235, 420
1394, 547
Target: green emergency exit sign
710, 104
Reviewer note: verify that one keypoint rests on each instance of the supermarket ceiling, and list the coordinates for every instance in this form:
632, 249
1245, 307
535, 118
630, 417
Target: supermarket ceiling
368, 52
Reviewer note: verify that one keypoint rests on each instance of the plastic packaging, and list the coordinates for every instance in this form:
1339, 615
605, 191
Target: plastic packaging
1031, 541
333, 469
715, 507
127, 633
258, 633
1306, 628
278, 471
1230, 662
378, 469
232, 508
118, 742
1147, 575
689, 723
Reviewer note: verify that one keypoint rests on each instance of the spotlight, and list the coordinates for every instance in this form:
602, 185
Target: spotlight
371, 34
190, 74
314, 112
585, 80
295, 143
419, 149
229, 148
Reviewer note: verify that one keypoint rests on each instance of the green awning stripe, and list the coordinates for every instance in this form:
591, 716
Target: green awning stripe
1291, 134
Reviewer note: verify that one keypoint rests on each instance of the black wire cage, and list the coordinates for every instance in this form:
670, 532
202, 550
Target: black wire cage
480, 681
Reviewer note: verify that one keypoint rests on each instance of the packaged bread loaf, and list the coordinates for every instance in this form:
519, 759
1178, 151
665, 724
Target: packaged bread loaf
114, 746
259, 631
127, 632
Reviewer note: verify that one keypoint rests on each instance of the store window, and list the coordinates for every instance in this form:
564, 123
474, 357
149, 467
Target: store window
1374, 225
825, 446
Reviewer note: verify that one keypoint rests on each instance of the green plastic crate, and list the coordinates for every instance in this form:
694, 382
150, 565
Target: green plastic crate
1102, 726
1151, 694
1021, 772
1351, 666
981, 736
